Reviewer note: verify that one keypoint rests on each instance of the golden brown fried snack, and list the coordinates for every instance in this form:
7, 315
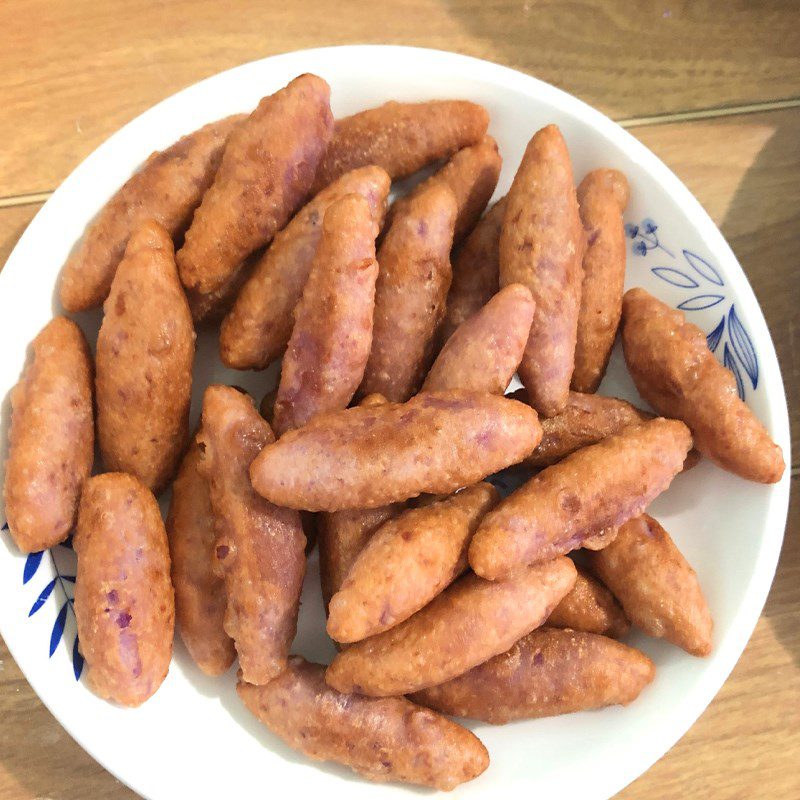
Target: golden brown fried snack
212, 307
124, 604
547, 673
676, 373
145, 351
332, 334
594, 488
541, 246
484, 352
256, 330
467, 624
260, 547
604, 537
401, 137
382, 739
200, 597
51, 438
167, 188
265, 175
437, 442
656, 586
602, 196
406, 563
410, 294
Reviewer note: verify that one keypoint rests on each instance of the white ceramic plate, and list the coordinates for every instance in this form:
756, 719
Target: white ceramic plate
193, 738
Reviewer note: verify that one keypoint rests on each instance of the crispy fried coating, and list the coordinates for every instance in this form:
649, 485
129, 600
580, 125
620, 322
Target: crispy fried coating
51, 438
591, 608
211, 308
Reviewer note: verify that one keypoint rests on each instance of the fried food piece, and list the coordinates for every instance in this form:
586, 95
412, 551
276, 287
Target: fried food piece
167, 188
410, 294
602, 196
476, 271
470, 622
260, 547
604, 538
51, 438
541, 246
676, 373
257, 329
200, 597
406, 563
484, 352
401, 137
145, 351
332, 334
382, 739
265, 176
547, 673
267, 405
212, 307
656, 586
594, 488
437, 442
124, 604
590, 607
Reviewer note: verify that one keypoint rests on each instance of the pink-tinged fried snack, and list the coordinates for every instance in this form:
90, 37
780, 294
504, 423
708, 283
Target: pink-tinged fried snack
437, 442
541, 246
145, 351
332, 335
470, 622
406, 563
656, 586
676, 373
124, 604
257, 329
382, 739
401, 137
51, 438
211, 308
410, 295
598, 487
265, 175
604, 537
602, 196
476, 271
260, 547
547, 673
591, 608
168, 188
200, 598
484, 352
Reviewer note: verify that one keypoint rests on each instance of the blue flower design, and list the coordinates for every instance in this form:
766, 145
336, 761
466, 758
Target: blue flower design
631, 230
649, 226
640, 248
647, 237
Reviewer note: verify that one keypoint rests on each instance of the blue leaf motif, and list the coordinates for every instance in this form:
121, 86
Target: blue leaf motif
58, 627
31, 565
701, 301
649, 226
675, 277
77, 660
743, 346
42, 598
703, 268
631, 230
715, 335
730, 363
640, 248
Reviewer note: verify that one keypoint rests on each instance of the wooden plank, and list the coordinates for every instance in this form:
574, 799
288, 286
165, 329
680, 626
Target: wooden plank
13, 222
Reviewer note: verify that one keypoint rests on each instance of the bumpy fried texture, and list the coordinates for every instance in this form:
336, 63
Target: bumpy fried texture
124, 605
382, 739
406, 563
200, 598
168, 188
676, 373
51, 438
484, 352
332, 334
595, 488
260, 547
591, 608
145, 351
470, 622
437, 442
257, 329
265, 175
604, 537
410, 295
547, 673
401, 137
212, 307
541, 246
656, 586
476, 271
602, 196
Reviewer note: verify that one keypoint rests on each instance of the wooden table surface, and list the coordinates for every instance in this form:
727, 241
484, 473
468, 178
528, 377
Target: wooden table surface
713, 88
